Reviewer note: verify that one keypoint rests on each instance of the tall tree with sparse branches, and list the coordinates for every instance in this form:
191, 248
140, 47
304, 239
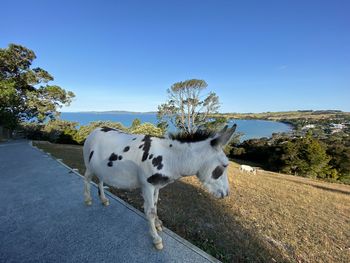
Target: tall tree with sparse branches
186, 108
24, 91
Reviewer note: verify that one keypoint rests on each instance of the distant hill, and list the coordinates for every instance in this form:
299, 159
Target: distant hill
290, 115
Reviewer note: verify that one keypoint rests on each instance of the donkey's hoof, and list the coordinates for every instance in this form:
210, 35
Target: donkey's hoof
88, 202
159, 246
106, 202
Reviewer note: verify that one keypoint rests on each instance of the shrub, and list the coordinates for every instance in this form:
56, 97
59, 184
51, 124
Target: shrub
33, 131
60, 131
85, 130
147, 128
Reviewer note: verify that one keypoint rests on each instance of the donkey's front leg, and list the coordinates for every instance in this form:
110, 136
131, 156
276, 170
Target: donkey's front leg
101, 193
158, 222
150, 211
87, 193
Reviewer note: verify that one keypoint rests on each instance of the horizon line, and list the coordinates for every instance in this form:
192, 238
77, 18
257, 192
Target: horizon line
142, 112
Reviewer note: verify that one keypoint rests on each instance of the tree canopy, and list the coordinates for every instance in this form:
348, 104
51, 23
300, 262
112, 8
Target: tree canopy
186, 108
24, 91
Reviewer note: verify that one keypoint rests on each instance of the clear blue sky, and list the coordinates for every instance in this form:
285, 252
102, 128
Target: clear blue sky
123, 55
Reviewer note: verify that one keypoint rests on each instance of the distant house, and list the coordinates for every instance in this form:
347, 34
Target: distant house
337, 126
309, 126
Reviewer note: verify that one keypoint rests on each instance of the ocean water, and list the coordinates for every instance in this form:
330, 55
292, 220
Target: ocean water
250, 128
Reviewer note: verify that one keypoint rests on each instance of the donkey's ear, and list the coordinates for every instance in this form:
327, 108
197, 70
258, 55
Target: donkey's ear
223, 130
223, 137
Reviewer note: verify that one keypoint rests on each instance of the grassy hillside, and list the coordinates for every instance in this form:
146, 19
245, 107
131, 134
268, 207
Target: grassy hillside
268, 217
291, 115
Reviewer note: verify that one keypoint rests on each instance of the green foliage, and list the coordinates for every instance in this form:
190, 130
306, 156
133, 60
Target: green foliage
60, 131
185, 108
56, 131
338, 147
232, 148
8, 99
215, 123
24, 92
306, 157
85, 130
135, 123
147, 128
33, 131
163, 125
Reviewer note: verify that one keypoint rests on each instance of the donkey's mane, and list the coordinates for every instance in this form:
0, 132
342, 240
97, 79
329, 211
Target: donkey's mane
199, 135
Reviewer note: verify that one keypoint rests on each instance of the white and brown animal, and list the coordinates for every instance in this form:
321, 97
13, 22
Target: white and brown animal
247, 169
130, 161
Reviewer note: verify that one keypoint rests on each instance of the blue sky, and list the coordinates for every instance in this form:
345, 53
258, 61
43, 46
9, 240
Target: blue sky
123, 55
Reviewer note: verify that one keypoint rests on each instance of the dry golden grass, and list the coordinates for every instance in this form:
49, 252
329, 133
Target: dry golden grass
268, 217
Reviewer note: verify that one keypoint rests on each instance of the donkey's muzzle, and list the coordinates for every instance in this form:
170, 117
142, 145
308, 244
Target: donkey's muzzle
223, 194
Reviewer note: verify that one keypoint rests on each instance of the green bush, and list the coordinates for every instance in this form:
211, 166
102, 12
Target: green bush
33, 131
147, 128
85, 130
59, 131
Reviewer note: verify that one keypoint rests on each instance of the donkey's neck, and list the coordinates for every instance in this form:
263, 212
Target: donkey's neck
187, 158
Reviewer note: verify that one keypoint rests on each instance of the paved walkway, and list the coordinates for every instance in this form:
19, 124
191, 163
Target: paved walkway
43, 218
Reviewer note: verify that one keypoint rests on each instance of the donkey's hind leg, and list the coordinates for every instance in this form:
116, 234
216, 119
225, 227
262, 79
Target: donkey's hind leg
87, 185
148, 196
158, 222
101, 194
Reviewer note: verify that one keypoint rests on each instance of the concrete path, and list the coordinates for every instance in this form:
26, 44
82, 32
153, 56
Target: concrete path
43, 218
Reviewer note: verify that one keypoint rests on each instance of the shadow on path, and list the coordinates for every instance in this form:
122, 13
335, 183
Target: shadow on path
195, 215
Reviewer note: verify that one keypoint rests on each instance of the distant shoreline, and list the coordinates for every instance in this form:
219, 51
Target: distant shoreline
290, 118
234, 115
112, 112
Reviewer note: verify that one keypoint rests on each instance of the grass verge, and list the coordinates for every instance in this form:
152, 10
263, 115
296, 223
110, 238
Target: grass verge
268, 217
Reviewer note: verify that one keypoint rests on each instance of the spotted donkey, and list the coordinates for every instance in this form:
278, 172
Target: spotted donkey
129, 161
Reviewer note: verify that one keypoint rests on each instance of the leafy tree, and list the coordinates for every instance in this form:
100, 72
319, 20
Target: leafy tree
338, 148
185, 107
24, 92
307, 157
